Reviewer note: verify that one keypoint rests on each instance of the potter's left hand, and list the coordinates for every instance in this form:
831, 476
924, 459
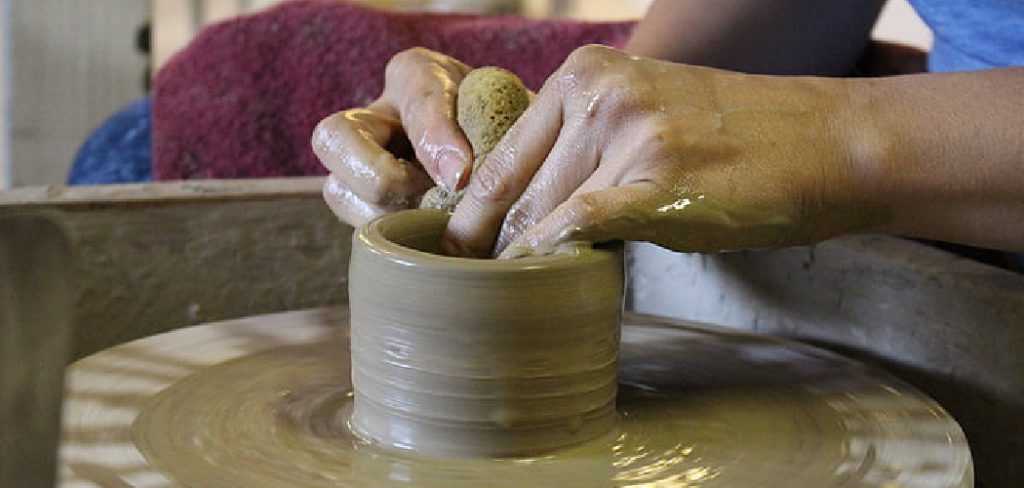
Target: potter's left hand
691, 158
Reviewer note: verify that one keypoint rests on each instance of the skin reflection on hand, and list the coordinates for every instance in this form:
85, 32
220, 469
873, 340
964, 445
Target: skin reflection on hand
692, 158
416, 108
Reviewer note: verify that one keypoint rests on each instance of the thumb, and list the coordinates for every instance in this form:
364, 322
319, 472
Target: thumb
440, 147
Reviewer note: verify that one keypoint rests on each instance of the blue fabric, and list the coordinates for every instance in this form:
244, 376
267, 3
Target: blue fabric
974, 34
118, 151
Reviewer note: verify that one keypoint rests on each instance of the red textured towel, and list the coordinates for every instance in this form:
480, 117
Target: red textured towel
241, 100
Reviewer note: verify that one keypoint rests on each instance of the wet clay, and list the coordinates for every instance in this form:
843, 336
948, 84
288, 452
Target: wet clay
490, 100
265, 402
694, 221
479, 357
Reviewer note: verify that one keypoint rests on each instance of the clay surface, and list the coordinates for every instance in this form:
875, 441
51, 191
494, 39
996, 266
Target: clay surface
950, 326
480, 357
263, 402
490, 100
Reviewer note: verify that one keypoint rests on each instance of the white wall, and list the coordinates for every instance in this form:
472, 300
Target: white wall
74, 63
5, 84
900, 23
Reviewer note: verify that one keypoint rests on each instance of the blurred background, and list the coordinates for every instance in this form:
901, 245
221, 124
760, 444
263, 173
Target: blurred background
65, 66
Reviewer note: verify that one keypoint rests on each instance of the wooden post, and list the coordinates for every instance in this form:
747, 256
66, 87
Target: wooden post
174, 23
36, 297
217, 10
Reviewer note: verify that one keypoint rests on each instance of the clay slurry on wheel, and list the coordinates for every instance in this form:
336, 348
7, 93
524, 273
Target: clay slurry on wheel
699, 406
490, 100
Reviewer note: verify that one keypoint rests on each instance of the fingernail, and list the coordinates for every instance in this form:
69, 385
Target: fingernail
572, 248
568, 234
452, 169
515, 252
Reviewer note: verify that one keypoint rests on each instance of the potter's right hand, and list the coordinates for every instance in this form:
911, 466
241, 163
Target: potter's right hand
694, 159
417, 106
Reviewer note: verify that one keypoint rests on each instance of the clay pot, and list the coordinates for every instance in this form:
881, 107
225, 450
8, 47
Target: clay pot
479, 357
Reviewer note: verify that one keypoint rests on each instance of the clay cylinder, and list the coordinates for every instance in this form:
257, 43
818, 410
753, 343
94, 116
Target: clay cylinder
479, 357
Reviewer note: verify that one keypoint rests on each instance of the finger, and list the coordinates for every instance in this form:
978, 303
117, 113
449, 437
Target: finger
582, 163
423, 86
349, 207
572, 161
499, 181
440, 145
350, 144
596, 216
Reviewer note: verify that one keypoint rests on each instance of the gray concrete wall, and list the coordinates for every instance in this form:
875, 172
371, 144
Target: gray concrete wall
152, 258
950, 326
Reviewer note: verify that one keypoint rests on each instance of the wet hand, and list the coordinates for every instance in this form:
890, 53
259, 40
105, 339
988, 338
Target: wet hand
417, 107
691, 158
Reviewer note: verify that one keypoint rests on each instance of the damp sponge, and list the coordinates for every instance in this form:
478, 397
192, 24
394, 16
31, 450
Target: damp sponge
490, 100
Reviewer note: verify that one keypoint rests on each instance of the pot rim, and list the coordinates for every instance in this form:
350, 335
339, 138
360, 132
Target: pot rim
373, 238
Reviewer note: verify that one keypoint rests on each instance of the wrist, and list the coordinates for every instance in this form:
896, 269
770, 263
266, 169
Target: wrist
870, 147
936, 156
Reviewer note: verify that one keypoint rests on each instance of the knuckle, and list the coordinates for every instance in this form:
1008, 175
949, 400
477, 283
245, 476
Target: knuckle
418, 51
651, 143
327, 125
326, 133
610, 99
419, 91
607, 93
587, 64
416, 61
587, 59
340, 200
399, 65
394, 183
423, 104
386, 189
614, 85
378, 193
584, 209
653, 136
332, 188
491, 186
520, 217
411, 55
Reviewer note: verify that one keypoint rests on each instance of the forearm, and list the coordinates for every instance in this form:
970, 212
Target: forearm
758, 36
943, 154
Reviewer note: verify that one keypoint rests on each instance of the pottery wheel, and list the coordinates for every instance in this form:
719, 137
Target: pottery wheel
264, 401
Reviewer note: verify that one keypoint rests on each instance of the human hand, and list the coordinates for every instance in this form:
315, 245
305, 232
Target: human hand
691, 158
362, 147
